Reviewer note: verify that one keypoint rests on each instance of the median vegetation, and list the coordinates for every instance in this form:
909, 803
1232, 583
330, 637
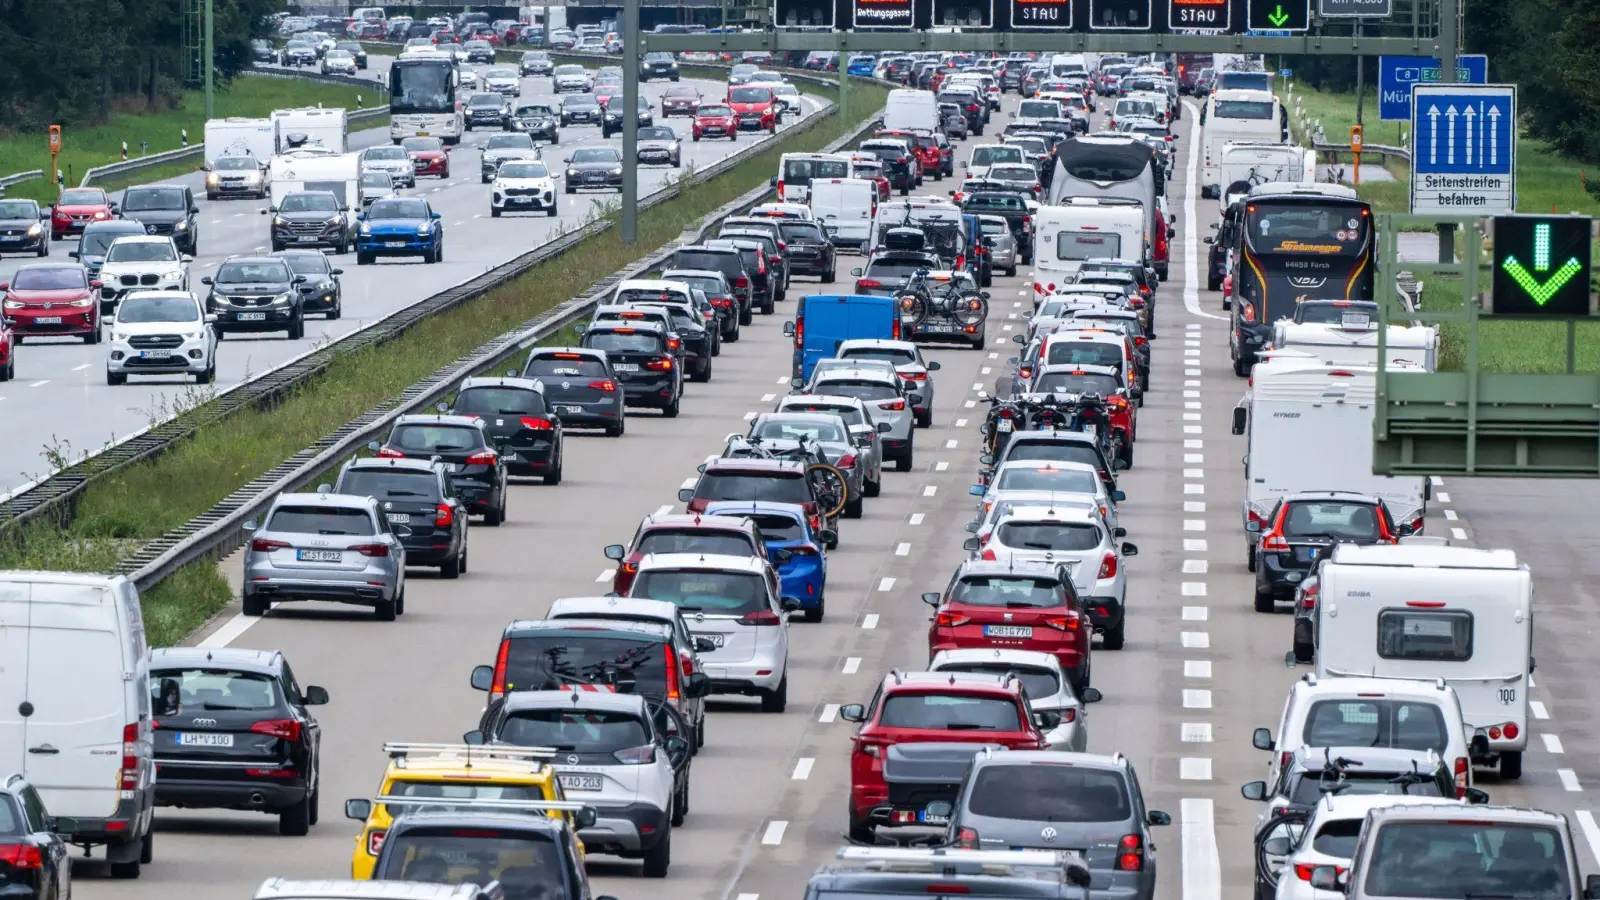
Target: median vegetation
145, 500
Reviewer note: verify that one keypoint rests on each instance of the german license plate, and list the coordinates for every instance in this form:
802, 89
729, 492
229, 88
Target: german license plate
717, 640
394, 243
252, 317
1003, 425
582, 782
155, 354
305, 239
1008, 631
398, 518
48, 320
625, 367
320, 555
203, 739
1306, 554
933, 818
569, 410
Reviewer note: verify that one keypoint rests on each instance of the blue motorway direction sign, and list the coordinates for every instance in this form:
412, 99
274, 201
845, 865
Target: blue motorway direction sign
1396, 75
1463, 149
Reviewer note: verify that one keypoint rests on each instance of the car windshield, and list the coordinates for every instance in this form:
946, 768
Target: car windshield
549, 661
314, 264
1000, 202
141, 251
900, 356
376, 180
1376, 722
568, 70
1050, 792
397, 209
524, 170
749, 95
583, 730
150, 198
596, 155
950, 712
1075, 383
532, 110
715, 112
861, 390
52, 278
1357, 522
144, 308
85, 197
988, 156
422, 144
1308, 788
1008, 590
526, 864
501, 73
337, 54
1014, 173
1460, 857
791, 430
1054, 536
486, 100
390, 484
498, 401
581, 100
574, 366
789, 487
397, 154
502, 141
417, 439
309, 202
252, 273
235, 164
1047, 478
18, 209
893, 272
320, 519
1241, 109
704, 590
657, 133
209, 689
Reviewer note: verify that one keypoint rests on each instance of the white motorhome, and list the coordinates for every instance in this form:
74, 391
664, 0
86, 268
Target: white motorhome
846, 208
1235, 116
1405, 346
1309, 428
75, 714
325, 128
908, 109
237, 136
1422, 612
340, 174
1245, 164
1084, 228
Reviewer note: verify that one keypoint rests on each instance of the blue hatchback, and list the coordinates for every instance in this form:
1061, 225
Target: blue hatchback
862, 65
399, 226
794, 547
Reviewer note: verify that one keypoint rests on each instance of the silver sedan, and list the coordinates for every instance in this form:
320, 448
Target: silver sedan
337, 548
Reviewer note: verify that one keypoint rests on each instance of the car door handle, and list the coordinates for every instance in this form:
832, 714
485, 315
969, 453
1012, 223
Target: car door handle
43, 748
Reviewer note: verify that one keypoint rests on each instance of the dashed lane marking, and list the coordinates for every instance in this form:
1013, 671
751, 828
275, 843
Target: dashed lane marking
774, 834
902, 549
605, 575
1591, 833
1193, 589
40, 383
1195, 733
961, 423
1441, 496
1202, 864
930, 490
829, 713
1194, 545
1195, 566
1538, 709
1194, 489
1188, 524
688, 483
1195, 698
950, 444
1198, 458
1569, 780
941, 466
768, 398
869, 621
1450, 515
1197, 668
885, 585
852, 665
1195, 768
1194, 506
1196, 613
1552, 743
802, 771
916, 519
663, 510
1196, 640
1459, 534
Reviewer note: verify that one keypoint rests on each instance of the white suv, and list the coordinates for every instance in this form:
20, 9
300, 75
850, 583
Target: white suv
522, 185
141, 262
162, 333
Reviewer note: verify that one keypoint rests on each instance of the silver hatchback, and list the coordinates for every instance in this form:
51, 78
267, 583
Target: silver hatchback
332, 547
885, 396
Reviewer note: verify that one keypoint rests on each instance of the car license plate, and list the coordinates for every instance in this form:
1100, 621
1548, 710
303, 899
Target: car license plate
932, 818
252, 317
48, 320
398, 518
155, 354
203, 739
320, 555
625, 367
582, 782
305, 239
1003, 425
423, 134
394, 243
1008, 631
716, 639
1306, 554
569, 410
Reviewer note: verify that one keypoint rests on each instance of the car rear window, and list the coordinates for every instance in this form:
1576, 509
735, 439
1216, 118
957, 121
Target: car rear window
1052, 451
1075, 383
1337, 838
320, 520
1466, 858
508, 401
549, 661
701, 259
702, 590
870, 391
1375, 722
1046, 792
389, 484
1337, 521
897, 355
695, 540
557, 367
950, 712
778, 528
1065, 536
1008, 591
1039, 683
1309, 787
525, 863
1047, 478
623, 342
10, 817
445, 791
1083, 353
1438, 635
585, 730
192, 690
778, 488
435, 438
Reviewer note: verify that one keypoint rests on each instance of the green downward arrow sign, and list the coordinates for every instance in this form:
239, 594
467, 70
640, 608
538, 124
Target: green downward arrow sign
1278, 17
1541, 291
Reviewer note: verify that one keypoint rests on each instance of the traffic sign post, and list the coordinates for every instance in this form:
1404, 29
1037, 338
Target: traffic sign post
1463, 149
1396, 75
1541, 266
54, 142
1283, 16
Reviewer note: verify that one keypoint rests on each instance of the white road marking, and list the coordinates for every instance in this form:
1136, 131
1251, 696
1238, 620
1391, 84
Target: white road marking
1191, 404
1191, 416
994, 356
1191, 383
1194, 698
1197, 668
768, 398
81, 368
1193, 589
971, 403
1194, 489
1194, 524
230, 631
750, 416
1191, 372
903, 549
869, 621
40, 383
1459, 534
1194, 473
961, 423
749, 897
802, 771
1591, 832
1196, 613
941, 466
930, 490
783, 381
1194, 458
977, 385
774, 835
1441, 496
1193, 444
1195, 733
1192, 326
916, 518
1195, 768
829, 713
1537, 707
661, 511
1191, 351
1437, 481
852, 665
1569, 780
1195, 566
1194, 506
1202, 865
985, 371
1193, 429
1191, 302
688, 483
1552, 743
886, 584
1194, 545
1450, 514
1195, 640
605, 575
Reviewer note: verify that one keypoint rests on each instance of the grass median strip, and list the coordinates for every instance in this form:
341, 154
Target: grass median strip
147, 499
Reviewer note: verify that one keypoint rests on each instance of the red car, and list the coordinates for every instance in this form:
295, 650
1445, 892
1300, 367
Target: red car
1017, 607
755, 107
76, 208
52, 299
677, 533
715, 121
429, 155
680, 99
924, 146
8, 354
924, 707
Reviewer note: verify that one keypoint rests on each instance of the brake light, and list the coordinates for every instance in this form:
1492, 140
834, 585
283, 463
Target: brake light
263, 545
988, 556
721, 301
1511, 731
947, 619
894, 329
914, 376
535, 423
799, 331
1067, 622
780, 189
688, 664
1108, 566
848, 461
386, 453
1130, 853
1302, 871
783, 247
282, 729
129, 776
762, 617
373, 551
815, 522
444, 515
1309, 597
659, 365
967, 839
607, 385
645, 755
21, 856
672, 672
566, 356
1274, 539
741, 282
483, 458
498, 686
804, 550
894, 405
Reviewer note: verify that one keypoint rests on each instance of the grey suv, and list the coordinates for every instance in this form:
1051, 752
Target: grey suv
1086, 803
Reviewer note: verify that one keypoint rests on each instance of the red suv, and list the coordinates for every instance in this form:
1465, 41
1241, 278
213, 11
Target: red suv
755, 108
925, 707
715, 121
677, 533
925, 147
53, 299
1022, 606
76, 208
8, 352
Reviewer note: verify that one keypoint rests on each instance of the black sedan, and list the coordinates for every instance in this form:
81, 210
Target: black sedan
579, 386
24, 227
487, 110
594, 167
612, 122
321, 291
416, 494
540, 121
535, 62
233, 730
34, 864
519, 423
583, 108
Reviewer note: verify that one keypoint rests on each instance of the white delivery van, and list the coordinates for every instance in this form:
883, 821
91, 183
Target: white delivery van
1245, 164
1423, 612
326, 128
797, 170
846, 208
1084, 228
1309, 428
314, 172
909, 109
1405, 346
75, 707
1234, 116
238, 136
1069, 65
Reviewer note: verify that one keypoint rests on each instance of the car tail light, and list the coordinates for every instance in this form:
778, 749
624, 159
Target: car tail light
607, 385
1141, 342
1462, 771
848, 461
988, 556
386, 453
444, 515
1274, 539
1309, 596
21, 856
741, 282
1130, 853
672, 672
1067, 622
640, 756
265, 545
722, 301
283, 729
815, 522
967, 839
762, 617
129, 776
1108, 566
780, 189
534, 423
374, 551
783, 247
1303, 871
673, 343
947, 619
893, 405
1511, 731
484, 458
869, 283
498, 685
659, 365
804, 550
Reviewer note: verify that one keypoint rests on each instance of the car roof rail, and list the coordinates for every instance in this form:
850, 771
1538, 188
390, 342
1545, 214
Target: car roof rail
400, 752
483, 804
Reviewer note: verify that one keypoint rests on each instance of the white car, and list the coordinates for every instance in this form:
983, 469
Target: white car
522, 185
339, 62
1329, 839
162, 333
504, 81
730, 601
885, 396
908, 363
391, 160
1045, 681
572, 78
1072, 479
140, 262
789, 96
468, 80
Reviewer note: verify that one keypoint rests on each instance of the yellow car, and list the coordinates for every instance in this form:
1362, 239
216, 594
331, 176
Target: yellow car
445, 772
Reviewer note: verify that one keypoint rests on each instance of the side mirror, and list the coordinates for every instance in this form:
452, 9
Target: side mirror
1119, 531
1130, 549
473, 739
357, 809
1092, 695
1119, 496
685, 495
704, 645
1261, 739
1209, 239
616, 552
1405, 530
300, 279
1252, 527
797, 382
828, 535
790, 604
699, 685
931, 599
586, 817
361, 217
482, 678
206, 280
1326, 878
773, 181
971, 545
853, 712
1591, 887
972, 527
1255, 790
1047, 720
856, 271
788, 329
1157, 817
1241, 417
316, 696
977, 490
251, 525
1018, 339
186, 258
74, 254
1477, 797
435, 215
96, 283
1278, 846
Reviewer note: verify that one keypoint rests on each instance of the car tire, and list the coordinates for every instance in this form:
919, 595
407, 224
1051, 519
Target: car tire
871, 488
830, 276
659, 858
10, 370
1011, 271
207, 376
904, 463
680, 804
1265, 602
746, 316
1114, 638
852, 507
495, 516
925, 419
670, 411
1304, 653
614, 430
93, 337
1511, 765
336, 310
769, 305
860, 832
126, 870
703, 375
494, 212
112, 378
553, 477
253, 605
44, 248
452, 566
297, 327
1250, 558
815, 613
383, 611
777, 699
571, 190
1241, 367
294, 821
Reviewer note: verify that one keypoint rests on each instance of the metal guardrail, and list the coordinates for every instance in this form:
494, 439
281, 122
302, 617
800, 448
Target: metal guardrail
219, 531
18, 178
1383, 150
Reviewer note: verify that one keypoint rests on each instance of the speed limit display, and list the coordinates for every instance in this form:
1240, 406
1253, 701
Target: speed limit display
1041, 13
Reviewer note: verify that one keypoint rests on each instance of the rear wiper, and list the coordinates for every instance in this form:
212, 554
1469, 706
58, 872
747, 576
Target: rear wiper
967, 726
210, 706
404, 493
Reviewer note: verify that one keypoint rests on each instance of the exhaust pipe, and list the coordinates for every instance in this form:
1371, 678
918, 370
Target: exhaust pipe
256, 799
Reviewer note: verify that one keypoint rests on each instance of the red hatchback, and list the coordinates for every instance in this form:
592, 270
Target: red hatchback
925, 707
53, 299
715, 121
1021, 606
429, 155
8, 352
756, 108
76, 208
677, 533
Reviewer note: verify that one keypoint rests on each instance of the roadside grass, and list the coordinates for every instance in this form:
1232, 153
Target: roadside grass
1516, 347
84, 148
148, 499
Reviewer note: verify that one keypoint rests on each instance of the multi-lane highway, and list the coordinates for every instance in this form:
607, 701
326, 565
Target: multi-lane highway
60, 397
1200, 670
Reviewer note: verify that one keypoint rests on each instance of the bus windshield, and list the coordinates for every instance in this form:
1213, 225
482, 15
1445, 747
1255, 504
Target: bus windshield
422, 87
1304, 229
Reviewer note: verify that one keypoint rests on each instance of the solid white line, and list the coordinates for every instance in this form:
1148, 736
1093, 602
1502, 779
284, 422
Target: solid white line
916, 518
869, 621
1195, 768
605, 575
1195, 566
1202, 865
1552, 743
774, 835
1459, 534
852, 665
1196, 613
661, 511
230, 631
1194, 589
39, 383
1591, 832
886, 584
1537, 707
1569, 779
1196, 699
80, 368
902, 550
802, 771
829, 713
1195, 733
1197, 668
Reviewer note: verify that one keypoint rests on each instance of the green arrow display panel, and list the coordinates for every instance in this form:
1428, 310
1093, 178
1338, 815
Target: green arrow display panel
1279, 15
1541, 266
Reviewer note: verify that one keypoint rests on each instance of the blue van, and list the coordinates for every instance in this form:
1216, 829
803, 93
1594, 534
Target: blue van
824, 321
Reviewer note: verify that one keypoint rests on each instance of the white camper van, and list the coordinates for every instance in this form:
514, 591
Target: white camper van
846, 209
1235, 116
238, 136
1423, 612
1242, 165
325, 128
1084, 228
1414, 346
317, 172
75, 714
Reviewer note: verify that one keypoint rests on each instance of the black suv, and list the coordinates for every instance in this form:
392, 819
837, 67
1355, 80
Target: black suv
477, 473
166, 209
311, 219
728, 261
519, 422
763, 285
1302, 528
658, 65
233, 730
643, 362
714, 286
487, 110
579, 386
808, 250
418, 494
34, 864
256, 293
